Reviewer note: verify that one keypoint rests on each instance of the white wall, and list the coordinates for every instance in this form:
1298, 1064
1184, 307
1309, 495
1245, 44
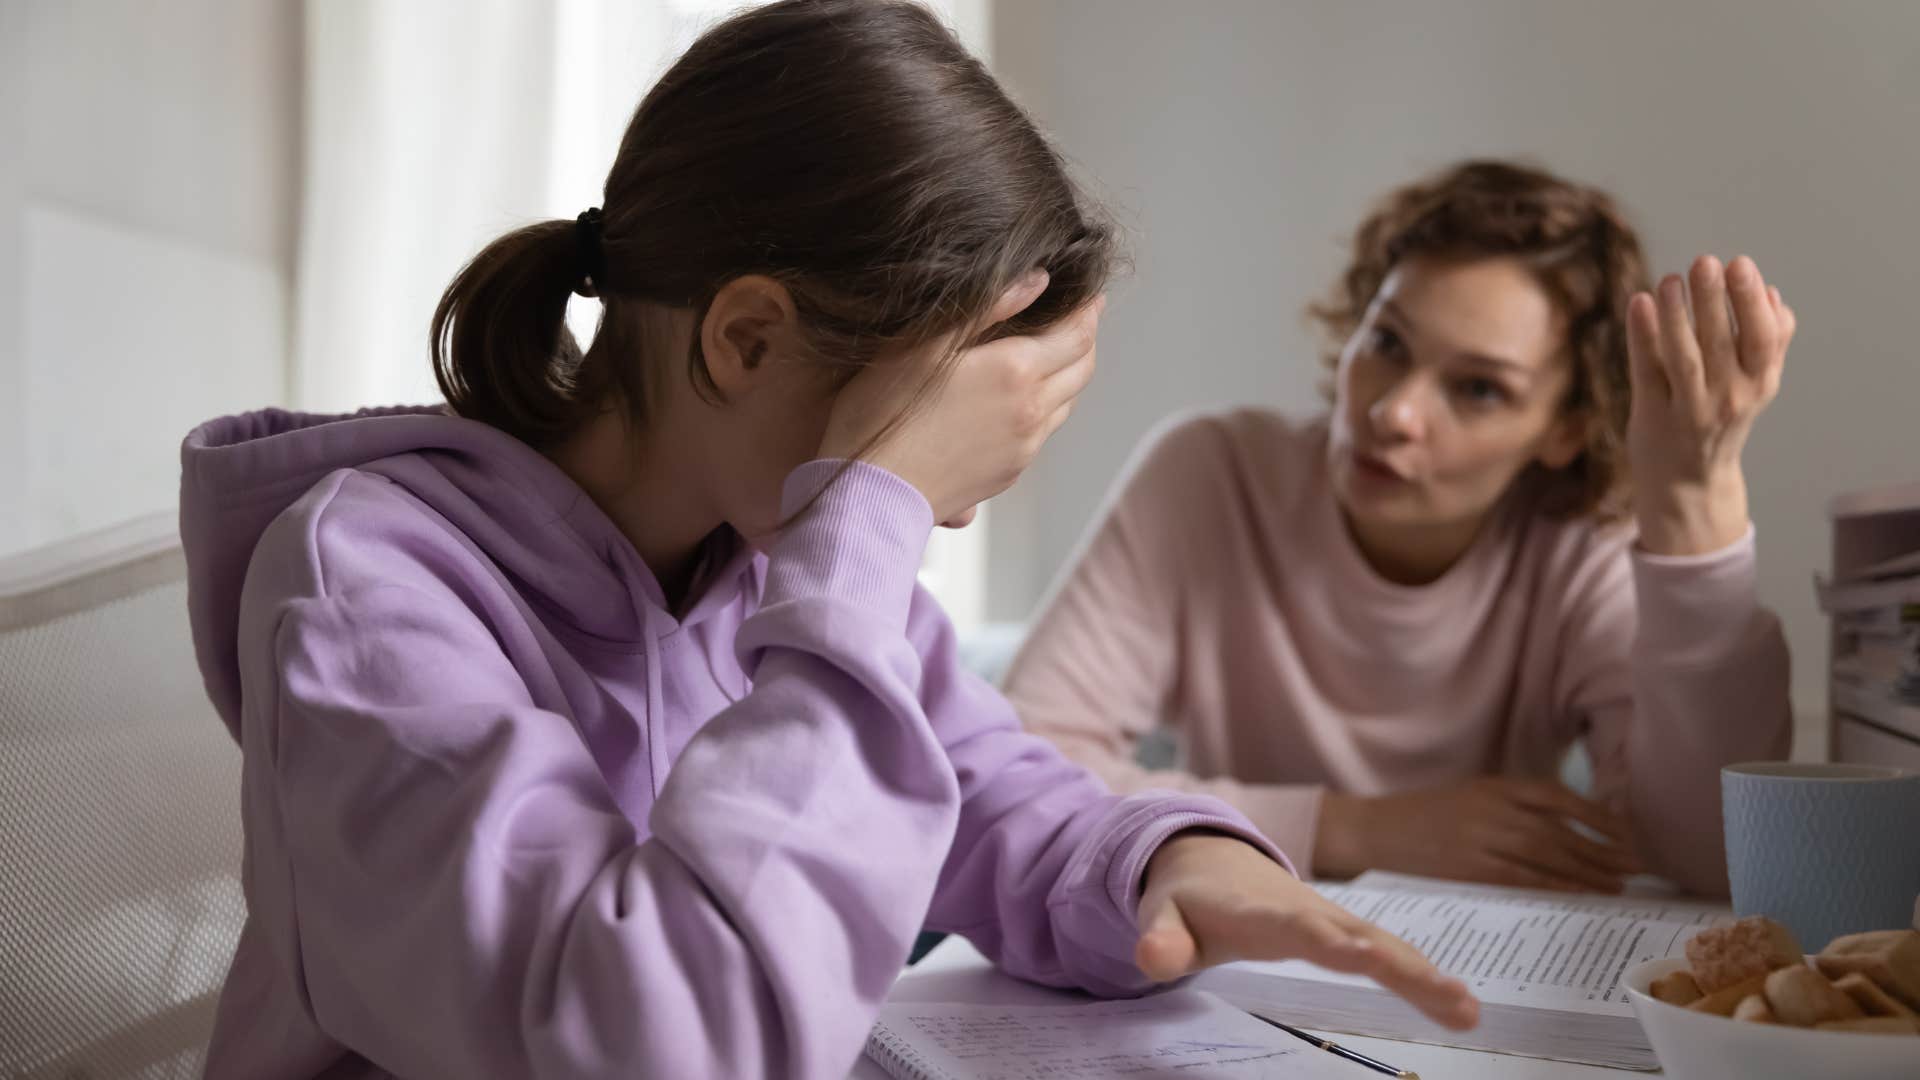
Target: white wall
1243, 139
147, 185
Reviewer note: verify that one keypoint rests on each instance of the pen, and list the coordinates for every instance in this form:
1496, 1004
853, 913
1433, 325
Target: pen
1335, 1048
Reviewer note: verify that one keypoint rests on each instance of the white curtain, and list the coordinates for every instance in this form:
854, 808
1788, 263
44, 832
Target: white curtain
433, 126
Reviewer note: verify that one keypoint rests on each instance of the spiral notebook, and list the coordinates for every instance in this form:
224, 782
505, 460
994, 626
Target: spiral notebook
1182, 1033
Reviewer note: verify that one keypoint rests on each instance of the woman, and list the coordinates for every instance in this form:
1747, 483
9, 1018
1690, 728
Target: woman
1377, 633
594, 725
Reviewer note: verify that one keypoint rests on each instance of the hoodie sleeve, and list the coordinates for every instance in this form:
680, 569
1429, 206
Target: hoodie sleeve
1045, 870
459, 895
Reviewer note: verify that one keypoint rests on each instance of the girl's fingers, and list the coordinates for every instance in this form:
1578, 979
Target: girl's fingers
1063, 344
1166, 949
1269, 934
1308, 928
1059, 417
1402, 969
1061, 387
1335, 938
1019, 296
1712, 327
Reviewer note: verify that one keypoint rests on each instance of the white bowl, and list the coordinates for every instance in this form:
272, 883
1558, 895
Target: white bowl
1700, 1046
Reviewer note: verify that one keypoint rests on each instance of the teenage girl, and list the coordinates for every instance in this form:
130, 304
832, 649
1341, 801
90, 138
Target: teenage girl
594, 725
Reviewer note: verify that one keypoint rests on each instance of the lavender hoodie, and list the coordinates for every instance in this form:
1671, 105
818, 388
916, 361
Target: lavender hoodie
506, 815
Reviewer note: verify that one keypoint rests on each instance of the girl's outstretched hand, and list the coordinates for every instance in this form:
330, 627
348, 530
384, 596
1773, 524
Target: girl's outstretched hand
1211, 898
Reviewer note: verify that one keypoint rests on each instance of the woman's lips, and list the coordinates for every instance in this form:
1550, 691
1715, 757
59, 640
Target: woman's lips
1377, 469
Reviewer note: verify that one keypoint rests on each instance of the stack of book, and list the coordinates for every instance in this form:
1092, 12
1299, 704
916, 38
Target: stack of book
1876, 644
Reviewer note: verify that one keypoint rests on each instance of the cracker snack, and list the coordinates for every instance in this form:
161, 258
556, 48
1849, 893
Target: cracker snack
1731, 954
1891, 958
1753, 971
1676, 989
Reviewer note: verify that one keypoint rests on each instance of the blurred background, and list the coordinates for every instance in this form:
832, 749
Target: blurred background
213, 205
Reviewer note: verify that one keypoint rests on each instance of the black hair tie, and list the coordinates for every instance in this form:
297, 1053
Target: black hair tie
590, 258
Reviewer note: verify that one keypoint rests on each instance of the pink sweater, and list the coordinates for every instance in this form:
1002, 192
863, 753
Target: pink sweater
1221, 596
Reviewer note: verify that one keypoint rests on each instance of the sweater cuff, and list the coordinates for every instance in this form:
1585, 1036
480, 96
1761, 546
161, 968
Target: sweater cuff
856, 534
1694, 609
1167, 815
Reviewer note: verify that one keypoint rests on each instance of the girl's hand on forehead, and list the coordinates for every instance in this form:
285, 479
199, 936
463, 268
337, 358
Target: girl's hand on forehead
977, 430
1706, 357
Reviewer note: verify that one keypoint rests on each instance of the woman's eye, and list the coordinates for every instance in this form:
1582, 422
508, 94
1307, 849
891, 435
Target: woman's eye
1387, 343
1478, 391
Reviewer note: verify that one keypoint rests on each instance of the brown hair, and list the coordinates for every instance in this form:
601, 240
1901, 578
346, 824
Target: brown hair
1581, 250
850, 149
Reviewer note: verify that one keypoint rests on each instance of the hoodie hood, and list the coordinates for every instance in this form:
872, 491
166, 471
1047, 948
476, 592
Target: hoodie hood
238, 473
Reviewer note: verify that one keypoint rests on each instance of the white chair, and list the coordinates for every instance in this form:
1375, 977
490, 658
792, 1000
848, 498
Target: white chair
120, 841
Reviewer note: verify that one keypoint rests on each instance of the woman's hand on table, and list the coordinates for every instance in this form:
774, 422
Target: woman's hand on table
1495, 829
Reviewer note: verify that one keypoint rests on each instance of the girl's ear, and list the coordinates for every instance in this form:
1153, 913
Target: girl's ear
751, 323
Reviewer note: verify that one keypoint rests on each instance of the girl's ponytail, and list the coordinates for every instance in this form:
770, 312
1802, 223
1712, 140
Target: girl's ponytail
502, 352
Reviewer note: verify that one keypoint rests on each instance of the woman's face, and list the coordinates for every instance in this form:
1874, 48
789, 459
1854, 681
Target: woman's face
1450, 387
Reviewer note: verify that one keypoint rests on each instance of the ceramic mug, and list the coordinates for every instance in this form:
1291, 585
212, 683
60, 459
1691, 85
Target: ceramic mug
1824, 849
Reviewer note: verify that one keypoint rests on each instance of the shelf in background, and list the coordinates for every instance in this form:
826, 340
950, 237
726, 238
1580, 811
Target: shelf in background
1870, 529
1896, 718
1865, 744
1896, 499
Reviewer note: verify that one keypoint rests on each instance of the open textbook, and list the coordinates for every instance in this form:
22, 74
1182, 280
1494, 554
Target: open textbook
1545, 966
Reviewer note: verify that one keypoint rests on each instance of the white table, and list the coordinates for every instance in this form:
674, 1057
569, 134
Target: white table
955, 971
